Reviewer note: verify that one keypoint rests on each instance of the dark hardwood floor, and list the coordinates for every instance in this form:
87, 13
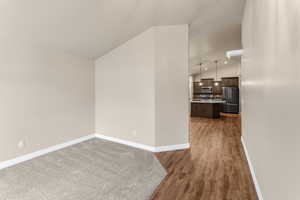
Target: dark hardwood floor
214, 168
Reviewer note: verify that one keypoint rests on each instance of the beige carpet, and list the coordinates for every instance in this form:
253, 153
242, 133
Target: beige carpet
92, 170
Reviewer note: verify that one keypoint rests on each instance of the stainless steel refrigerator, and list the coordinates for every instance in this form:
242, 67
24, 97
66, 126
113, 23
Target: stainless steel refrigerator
231, 97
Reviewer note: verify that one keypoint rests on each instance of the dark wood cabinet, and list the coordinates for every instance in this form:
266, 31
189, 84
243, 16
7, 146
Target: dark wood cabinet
197, 88
205, 83
209, 110
230, 81
208, 82
217, 89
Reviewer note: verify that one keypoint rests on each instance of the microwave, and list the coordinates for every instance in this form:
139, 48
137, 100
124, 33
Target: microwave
206, 90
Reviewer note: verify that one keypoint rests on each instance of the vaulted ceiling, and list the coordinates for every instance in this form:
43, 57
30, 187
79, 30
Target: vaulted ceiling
91, 28
216, 30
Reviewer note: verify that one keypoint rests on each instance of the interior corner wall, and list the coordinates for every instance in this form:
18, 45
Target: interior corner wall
125, 107
171, 85
142, 88
46, 99
270, 83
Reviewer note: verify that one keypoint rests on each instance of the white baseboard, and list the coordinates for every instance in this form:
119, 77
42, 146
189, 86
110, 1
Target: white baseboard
41, 152
126, 142
143, 146
30, 156
258, 190
172, 147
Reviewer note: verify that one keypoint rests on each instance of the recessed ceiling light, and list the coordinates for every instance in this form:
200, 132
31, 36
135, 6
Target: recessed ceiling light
205, 68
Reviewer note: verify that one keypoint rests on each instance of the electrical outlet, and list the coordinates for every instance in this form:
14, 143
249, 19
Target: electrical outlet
21, 144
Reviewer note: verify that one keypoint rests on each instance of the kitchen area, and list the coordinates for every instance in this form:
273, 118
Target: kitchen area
213, 96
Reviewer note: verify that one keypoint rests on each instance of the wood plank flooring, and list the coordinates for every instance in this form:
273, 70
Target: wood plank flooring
214, 168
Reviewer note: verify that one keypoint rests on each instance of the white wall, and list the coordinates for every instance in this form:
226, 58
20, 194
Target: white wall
125, 106
171, 85
271, 74
142, 88
46, 98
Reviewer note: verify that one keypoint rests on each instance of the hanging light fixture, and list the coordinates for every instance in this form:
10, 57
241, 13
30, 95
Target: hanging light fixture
216, 83
200, 83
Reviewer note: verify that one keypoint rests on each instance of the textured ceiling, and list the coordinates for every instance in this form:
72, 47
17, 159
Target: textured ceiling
91, 28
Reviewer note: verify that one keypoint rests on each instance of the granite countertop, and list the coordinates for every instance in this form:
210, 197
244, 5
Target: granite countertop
208, 101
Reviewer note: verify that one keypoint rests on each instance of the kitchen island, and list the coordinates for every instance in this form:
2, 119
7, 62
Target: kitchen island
209, 108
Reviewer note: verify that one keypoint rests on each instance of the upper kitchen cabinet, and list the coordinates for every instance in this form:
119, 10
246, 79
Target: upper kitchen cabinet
208, 82
197, 88
217, 88
205, 83
230, 81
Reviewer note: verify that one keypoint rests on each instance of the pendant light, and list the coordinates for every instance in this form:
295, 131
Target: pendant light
200, 83
216, 83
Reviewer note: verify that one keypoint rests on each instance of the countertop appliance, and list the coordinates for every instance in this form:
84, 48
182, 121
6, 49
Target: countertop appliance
206, 90
206, 93
232, 98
